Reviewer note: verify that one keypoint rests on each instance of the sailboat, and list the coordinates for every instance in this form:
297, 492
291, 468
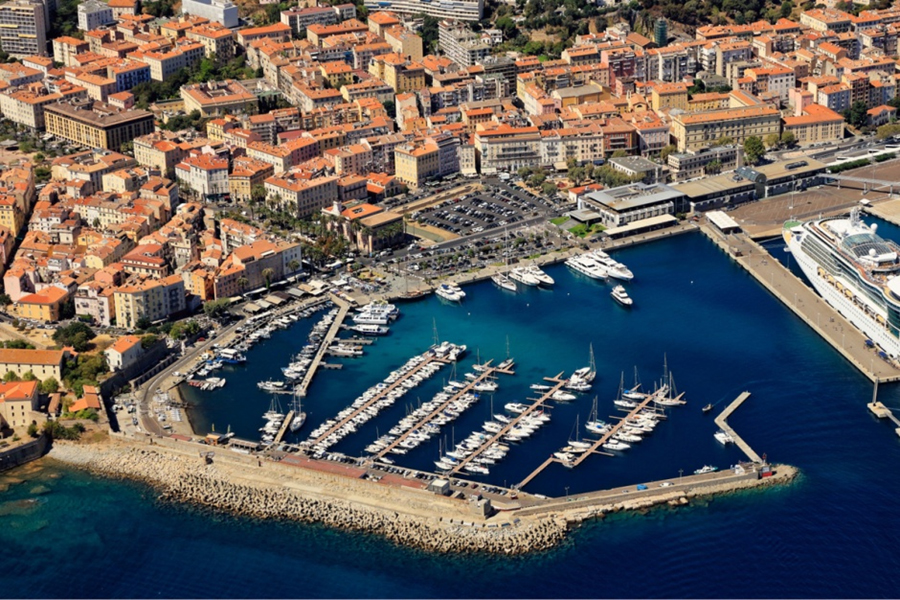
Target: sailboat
633, 393
508, 362
621, 400
299, 415
594, 424
581, 379
669, 397
502, 279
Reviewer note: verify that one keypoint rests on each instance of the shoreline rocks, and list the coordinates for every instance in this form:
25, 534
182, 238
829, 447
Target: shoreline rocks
405, 517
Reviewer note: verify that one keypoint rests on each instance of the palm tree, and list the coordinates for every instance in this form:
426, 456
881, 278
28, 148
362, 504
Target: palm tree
242, 283
294, 265
267, 275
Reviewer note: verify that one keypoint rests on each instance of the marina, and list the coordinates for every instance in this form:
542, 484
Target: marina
344, 308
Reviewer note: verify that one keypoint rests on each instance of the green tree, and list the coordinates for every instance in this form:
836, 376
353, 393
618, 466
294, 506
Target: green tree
754, 149
33, 430
149, 340
773, 140
142, 323
29, 376
619, 154
215, 308
5, 300
10, 377
788, 139
267, 274
666, 151
49, 386
888, 131
857, 115
724, 141
76, 335
390, 108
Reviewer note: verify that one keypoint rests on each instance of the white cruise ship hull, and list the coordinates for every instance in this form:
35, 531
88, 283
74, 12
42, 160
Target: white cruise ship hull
844, 305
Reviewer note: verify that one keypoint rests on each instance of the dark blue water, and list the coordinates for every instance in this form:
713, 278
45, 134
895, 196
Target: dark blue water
834, 533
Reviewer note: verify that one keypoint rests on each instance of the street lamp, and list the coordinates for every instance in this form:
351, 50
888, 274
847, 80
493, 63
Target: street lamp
680, 473
567, 493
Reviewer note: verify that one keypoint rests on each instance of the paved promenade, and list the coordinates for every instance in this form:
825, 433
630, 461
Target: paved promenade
806, 304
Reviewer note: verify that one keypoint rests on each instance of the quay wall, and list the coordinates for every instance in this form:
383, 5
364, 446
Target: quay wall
806, 304
20, 455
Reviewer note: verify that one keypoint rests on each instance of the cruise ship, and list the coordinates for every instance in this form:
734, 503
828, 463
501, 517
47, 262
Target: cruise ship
854, 270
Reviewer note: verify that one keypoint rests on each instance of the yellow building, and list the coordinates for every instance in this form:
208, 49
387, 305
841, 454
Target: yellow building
43, 305
701, 130
216, 39
43, 363
97, 125
582, 94
414, 164
669, 95
246, 174
399, 72
11, 214
816, 125
403, 41
154, 299
216, 98
337, 73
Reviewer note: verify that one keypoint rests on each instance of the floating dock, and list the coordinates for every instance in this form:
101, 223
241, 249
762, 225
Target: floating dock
487, 373
738, 440
558, 383
374, 399
284, 428
344, 308
594, 449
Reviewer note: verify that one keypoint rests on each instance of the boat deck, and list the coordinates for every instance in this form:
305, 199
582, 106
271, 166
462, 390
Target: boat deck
324, 345
594, 449
486, 374
558, 383
379, 396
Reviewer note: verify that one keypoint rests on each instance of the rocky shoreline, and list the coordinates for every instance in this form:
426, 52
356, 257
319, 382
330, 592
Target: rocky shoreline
408, 517
182, 480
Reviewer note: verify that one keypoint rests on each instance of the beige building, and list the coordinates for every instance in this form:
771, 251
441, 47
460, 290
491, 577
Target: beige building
155, 299
18, 403
97, 125
816, 125
246, 174
697, 131
414, 164
399, 72
165, 64
25, 106
216, 39
217, 98
506, 148
256, 265
43, 363
669, 95
23, 28
403, 41
164, 149
305, 194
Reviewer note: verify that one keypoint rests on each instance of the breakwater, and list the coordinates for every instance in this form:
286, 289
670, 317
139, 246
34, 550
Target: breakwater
409, 517
404, 515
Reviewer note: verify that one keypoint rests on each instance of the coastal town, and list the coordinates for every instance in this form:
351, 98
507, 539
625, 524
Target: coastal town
177, 185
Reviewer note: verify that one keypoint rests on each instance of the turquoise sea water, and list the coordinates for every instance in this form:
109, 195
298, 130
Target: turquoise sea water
833, 533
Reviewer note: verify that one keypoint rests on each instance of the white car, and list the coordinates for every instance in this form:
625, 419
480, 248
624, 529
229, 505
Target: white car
666, 484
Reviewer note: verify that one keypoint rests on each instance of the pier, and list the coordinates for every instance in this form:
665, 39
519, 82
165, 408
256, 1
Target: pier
738, 440
284, 428
806, 304
486, 374
594, 449
344, 308
374, 399
558, 383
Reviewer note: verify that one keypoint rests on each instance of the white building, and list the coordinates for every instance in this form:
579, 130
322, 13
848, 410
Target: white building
220, 11
93, 14
463, 10
206, 175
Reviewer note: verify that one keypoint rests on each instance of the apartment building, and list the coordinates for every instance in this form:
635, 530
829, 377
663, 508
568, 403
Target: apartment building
205, 175
256, 266
507, 148
220, 11
163, 150
216, 98
23, 28
816, 125
66, 48
43, 363
416, 163
695, 131
402, 74
153, 299
94, 14
298, 19
97, 125
304, 193
403, 41
461, 10
165, 64
25, 106
462, 45
246, 174
216, 39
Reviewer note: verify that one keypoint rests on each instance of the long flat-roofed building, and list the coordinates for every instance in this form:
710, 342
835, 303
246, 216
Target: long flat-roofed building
702, 130
97, 125
622, 205
463, 10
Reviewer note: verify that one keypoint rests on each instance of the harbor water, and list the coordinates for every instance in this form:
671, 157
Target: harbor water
832, 533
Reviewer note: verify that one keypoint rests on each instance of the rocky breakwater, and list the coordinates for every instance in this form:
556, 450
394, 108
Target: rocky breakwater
239, 490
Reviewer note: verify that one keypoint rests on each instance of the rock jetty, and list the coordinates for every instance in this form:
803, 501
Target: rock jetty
216, 486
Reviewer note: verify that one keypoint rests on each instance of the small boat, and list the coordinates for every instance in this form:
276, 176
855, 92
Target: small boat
615, 445
369, 329
539, 274
707, 408
540, 387
450, 291
621, 296
516, 407
706, 469
564, 456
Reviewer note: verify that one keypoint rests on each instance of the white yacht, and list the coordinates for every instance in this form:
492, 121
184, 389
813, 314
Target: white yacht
621, 296
615, 269
503, 281
723, 438
523, 276
370, 329
855, 271
450, 291
540, 275
586, 265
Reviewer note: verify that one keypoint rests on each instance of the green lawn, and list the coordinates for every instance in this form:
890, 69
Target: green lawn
559, 220
583, 230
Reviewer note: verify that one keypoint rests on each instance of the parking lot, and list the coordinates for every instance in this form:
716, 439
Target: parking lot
495, 207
